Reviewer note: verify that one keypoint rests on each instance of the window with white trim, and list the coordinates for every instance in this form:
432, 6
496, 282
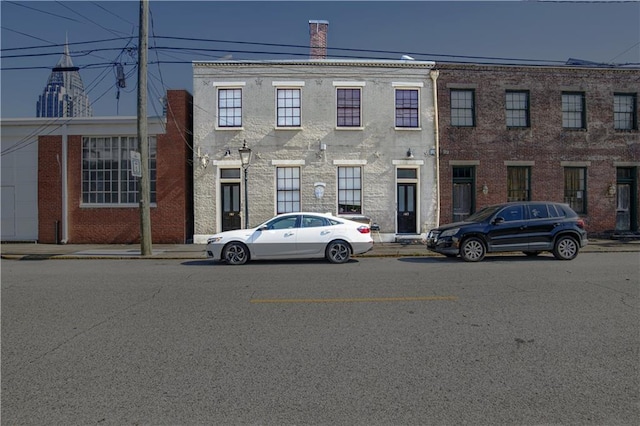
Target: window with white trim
288, 189
407, 108
349, 111
349, 190
288, 107
106, 170
229, 107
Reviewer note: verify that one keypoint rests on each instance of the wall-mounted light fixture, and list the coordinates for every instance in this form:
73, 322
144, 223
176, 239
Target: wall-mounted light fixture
612, 189
227, 153
203, 158
432, 151
409, 153
485, 189
322, 147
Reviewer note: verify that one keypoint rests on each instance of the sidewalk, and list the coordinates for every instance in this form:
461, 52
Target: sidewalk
34, 251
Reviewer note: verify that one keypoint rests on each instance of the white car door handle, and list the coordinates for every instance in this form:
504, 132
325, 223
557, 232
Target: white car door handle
325, 232
288, 234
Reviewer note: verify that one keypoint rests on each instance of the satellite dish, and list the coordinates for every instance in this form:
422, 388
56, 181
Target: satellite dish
407, 58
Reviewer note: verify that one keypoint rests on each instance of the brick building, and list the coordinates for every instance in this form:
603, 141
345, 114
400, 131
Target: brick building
69, 180
540, 133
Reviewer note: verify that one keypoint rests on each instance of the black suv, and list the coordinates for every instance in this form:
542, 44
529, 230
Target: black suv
531, 227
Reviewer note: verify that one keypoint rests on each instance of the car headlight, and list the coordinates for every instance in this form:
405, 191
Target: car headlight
449, 232
213, 240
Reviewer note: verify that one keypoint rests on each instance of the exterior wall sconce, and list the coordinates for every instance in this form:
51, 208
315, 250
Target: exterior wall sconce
204, 159
322, 147
409, 153
227, 153
485, 189
432, 152
611, 190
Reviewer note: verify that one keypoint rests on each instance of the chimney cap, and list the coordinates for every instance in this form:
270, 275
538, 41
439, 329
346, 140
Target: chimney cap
318, 21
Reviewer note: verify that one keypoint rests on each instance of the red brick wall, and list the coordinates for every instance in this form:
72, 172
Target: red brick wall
171, 215
545, 142
49, 188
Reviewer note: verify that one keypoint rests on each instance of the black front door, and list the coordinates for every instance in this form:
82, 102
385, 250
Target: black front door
407, 208
230, 199
626, 214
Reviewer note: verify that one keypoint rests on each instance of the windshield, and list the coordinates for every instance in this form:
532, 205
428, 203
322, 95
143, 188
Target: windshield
484, 214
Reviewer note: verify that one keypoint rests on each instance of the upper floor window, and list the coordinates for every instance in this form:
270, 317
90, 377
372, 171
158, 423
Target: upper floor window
407, 108
288, 107
574, 110
575, 188
463, 108
517, 108
625, 111
349, 190
106, 170
349, 107
288, 189
229, 107
518, 183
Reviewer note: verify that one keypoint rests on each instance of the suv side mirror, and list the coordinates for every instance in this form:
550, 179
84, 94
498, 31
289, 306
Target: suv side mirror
498, 220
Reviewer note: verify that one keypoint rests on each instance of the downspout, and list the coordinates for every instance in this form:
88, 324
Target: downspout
65, 195
436, 133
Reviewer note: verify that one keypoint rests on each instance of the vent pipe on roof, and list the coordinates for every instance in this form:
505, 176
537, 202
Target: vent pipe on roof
318, 39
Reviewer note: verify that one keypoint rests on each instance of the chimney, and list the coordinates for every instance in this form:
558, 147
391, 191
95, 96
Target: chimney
318, 39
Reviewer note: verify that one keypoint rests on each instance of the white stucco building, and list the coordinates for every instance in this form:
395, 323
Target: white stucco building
340, 136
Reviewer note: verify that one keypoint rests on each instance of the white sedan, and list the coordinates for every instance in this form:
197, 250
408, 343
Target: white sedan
293, 236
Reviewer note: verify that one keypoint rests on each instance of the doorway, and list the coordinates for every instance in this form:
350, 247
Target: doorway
463, 193
230, 199
626, 202
407, 200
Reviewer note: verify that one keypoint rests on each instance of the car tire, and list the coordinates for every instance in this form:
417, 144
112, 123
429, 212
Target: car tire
566, 248
531, 253
235, 253
472, 250
338, 252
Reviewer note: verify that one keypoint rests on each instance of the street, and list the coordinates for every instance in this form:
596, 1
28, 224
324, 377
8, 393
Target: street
420, 340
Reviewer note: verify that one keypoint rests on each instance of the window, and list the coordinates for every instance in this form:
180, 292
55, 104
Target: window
314, 221
574, 110
288, 189
349, 107
625, 111
349, 190
511, 213
407, 108
575, 187
538, 211
229, 107
288, 108
106, 170
463, 108
518, 183
517, 108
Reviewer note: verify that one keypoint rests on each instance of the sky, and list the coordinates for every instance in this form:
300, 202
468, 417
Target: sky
104, 34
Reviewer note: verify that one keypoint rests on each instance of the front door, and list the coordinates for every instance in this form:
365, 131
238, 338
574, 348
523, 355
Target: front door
407, 208
626, 214
230, 199
463, 196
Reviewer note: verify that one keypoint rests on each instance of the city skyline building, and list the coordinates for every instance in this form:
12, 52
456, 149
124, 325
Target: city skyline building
64, 94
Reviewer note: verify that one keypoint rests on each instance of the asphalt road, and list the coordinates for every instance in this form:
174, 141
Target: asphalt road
388, 341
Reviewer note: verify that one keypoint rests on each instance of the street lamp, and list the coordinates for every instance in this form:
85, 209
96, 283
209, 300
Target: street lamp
245, 159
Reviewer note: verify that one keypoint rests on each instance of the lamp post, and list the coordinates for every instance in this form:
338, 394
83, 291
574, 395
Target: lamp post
245, 159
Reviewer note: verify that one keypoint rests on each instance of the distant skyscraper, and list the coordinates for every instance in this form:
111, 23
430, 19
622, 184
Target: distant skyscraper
64, 94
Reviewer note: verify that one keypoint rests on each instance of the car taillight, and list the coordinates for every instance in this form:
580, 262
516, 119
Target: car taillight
580, 223
363, 229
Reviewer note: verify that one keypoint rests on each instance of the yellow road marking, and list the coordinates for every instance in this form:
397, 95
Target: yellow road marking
359, 300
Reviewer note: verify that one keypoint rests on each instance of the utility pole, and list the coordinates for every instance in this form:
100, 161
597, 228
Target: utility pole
143, 139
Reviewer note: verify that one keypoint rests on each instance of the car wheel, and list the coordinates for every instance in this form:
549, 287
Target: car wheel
236, 254
531, 253
472, 250
566, 248
338, 252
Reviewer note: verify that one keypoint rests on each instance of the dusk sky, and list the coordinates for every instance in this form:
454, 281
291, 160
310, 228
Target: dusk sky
103, 34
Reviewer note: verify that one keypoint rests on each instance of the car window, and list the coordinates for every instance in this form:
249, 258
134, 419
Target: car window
538, 211
511, 213
283, 222
313, 222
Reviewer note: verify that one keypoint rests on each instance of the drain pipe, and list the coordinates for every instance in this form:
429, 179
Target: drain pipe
436, 130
